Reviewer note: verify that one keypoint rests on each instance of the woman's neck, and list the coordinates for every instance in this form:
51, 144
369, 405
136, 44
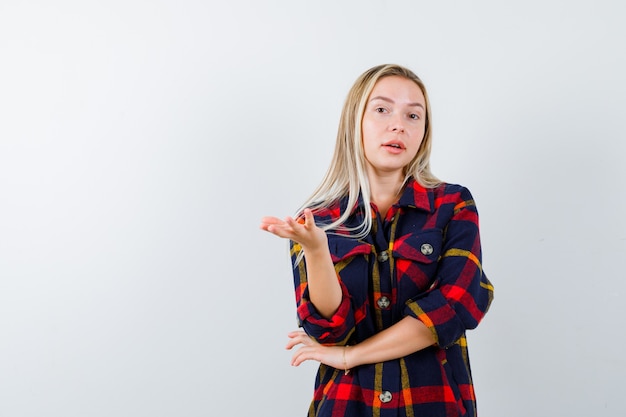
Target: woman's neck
385, 190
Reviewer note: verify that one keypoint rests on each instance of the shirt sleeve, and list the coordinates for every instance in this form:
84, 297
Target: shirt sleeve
334, 330
461, 293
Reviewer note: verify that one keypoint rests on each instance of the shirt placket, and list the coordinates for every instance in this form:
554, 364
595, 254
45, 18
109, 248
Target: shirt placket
388, 384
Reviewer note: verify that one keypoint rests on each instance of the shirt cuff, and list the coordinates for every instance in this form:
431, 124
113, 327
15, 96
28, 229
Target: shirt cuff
327, 330
437, 314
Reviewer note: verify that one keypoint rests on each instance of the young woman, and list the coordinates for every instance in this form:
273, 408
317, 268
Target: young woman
387, 264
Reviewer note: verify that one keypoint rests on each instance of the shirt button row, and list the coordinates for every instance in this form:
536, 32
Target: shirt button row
385, 396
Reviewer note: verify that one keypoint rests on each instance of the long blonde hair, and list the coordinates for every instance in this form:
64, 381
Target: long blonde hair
346, 175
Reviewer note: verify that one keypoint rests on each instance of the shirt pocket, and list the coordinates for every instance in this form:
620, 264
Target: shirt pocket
351, 259
416, 256
343, 248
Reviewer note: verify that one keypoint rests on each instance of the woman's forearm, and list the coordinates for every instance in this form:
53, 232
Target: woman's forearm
407, 336
323, 284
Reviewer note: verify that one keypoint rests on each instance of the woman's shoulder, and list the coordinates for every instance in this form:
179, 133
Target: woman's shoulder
452, 195
448, 188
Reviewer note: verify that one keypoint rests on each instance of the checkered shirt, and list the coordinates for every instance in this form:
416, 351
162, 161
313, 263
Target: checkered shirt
423, 260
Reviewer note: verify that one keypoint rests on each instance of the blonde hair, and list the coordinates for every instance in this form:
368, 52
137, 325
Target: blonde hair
346, 175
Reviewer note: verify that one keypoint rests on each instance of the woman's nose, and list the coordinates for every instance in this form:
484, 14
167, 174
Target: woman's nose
397, 125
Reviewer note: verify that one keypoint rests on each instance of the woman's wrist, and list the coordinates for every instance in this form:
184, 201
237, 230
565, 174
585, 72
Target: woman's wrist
316, 249
346, 368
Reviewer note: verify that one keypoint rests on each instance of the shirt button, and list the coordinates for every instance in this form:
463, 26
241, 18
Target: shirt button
426, 249
383, 256
383, 302
385, 396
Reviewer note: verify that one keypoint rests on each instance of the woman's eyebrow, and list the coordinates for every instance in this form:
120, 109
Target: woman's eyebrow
387, 99
382, 98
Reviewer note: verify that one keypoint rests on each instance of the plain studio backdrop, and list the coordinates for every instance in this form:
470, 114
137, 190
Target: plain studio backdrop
141, 142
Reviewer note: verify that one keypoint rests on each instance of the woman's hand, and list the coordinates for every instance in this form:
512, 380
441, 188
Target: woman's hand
303, 231
312, 350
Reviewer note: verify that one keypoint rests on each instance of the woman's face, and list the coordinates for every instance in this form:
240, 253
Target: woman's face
393, 125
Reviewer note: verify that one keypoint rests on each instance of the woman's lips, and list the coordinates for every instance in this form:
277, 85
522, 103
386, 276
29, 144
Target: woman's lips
393, 148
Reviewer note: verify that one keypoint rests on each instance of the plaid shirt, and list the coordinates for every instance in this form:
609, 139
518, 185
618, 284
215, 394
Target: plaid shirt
423, 260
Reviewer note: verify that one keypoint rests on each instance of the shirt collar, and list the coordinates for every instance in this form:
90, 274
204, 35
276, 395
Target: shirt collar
413, 196
416, 196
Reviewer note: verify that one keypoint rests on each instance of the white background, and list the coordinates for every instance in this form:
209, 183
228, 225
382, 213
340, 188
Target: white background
142, 141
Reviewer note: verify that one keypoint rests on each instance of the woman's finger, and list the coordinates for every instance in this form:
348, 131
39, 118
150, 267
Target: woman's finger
293, 342
270, 220
292, 223
304, 354
295, 333
299, 337
277, 227
271, 223
309, 220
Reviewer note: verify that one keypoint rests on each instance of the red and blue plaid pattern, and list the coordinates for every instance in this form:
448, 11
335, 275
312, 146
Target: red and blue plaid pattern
423, 260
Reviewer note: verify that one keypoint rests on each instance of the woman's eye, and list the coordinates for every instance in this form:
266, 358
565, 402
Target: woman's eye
380, 109
414, 116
